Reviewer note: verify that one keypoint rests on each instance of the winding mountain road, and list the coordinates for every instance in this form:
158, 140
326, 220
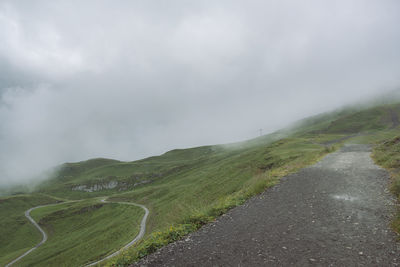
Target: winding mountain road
334, 213
138, 237
44, 235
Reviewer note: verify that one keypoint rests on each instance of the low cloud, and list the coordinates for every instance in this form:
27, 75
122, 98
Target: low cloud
127, 80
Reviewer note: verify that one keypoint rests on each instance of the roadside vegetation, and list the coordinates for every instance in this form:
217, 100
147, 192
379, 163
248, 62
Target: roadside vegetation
184, 204
183, 189
387, 154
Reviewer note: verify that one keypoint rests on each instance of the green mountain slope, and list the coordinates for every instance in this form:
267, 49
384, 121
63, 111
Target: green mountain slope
83, 231
186, 188
387, 154
125, 176
17, 233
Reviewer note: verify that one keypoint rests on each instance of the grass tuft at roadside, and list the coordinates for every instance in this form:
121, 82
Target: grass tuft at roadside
387, 155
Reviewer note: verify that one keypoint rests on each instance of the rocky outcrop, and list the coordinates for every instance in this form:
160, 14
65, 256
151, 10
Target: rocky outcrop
108, 185
95, 187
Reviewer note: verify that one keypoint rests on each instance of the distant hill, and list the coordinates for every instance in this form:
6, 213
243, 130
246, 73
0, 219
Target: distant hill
185, 188
99, 176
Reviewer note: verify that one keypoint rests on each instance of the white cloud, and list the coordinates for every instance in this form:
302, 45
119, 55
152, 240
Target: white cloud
37, 48
122, 79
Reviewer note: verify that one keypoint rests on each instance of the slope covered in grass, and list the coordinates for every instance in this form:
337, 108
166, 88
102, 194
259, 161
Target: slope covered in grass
17, 233
130, 175
387, 154
81, 232
353, 120
198, 195
124, 175
186, 188
378, 118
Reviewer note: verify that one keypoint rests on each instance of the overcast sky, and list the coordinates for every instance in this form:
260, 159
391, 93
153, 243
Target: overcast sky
130, 79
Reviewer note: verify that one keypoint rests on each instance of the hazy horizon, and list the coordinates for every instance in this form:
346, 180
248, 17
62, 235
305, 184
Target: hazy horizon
128, 80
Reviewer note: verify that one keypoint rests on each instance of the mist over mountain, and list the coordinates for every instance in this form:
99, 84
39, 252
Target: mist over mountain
127, 80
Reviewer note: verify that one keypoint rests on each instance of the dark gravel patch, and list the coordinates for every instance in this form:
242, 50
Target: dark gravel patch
334, 213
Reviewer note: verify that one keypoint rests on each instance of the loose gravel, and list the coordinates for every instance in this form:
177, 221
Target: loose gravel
334, 213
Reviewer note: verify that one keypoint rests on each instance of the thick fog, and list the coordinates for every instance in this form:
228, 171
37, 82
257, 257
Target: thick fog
130, 79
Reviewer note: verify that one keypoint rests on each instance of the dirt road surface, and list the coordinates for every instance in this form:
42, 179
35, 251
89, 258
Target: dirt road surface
334, 213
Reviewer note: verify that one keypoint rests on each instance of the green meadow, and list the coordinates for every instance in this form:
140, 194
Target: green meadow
183, 188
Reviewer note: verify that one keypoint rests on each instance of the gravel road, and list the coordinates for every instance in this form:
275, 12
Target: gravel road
334, 213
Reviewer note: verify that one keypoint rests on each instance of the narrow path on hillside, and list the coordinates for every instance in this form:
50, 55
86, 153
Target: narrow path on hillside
44, 235
138, 237
334, 213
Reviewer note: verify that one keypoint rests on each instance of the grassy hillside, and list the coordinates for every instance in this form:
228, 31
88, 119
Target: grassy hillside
81, 232
122, 175
198, 195
17, 234
378, 118
127, 176
187, 188
387, 154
